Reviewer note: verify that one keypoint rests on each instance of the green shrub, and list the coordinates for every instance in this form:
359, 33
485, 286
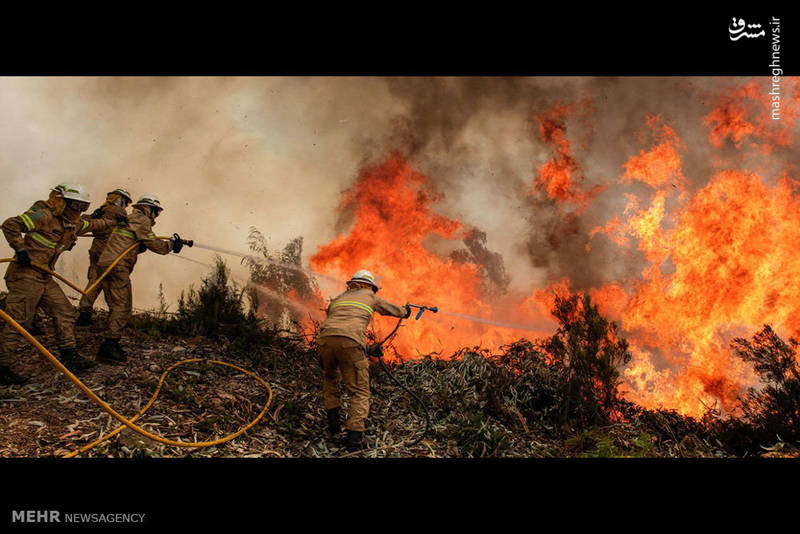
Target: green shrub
219, 310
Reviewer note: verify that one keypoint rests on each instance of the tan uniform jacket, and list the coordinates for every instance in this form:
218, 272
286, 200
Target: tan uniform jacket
139, 229
45, 237
110, 212
349, 314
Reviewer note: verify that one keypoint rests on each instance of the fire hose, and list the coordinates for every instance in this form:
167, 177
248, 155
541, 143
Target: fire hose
375, 350
129, 423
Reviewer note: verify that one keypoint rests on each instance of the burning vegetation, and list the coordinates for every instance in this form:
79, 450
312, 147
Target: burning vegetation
712, 258
656, 325
557, 395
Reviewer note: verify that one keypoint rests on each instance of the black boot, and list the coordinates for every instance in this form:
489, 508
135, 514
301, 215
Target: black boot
35, 331
74, 361
111, 352
120, 352
84, 319
355, 440
9, 377
334, 424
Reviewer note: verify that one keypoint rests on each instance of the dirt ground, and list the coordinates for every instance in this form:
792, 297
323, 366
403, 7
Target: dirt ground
50, 416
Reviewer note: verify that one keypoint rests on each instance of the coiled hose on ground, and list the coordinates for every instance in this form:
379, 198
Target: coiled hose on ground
129, 423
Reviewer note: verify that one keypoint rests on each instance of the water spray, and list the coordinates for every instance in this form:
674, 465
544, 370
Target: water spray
482, 320
262, 260
375, 350
310, 272
261, 289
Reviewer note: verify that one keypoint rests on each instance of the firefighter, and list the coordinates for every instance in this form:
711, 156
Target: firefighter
342, 352
117, 284
37, 326
116, 202
49, 227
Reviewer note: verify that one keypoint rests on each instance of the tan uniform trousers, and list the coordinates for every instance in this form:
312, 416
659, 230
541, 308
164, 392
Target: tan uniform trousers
342, 356
25, 294
119, 297
87, 300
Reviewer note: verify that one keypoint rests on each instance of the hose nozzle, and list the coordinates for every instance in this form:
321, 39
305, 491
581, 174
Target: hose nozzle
187, 242
422, 309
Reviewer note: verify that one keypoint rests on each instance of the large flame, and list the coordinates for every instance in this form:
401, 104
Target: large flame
735, 267
393, 221
719, 259
720, 263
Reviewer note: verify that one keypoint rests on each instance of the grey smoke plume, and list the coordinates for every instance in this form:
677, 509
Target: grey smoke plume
477, 139
225, 154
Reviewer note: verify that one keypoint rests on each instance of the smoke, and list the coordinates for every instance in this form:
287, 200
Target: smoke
225, 154
478, 141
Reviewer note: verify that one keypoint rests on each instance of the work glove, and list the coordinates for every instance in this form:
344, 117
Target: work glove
23, 259
121, 219
408, 311
142, 248
96, 214
177, 243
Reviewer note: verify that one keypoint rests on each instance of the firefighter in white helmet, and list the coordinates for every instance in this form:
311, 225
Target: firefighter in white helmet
342, 352
39, 236
113, 210
37, 326
117, 283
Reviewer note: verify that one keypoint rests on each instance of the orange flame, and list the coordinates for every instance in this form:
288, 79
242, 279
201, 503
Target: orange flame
560, 177
393, 219
734, 111
661, 165
718, 262
732, 250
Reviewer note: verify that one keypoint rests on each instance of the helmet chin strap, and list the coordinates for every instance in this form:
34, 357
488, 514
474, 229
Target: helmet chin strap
71, 214
151, 212
118, 200
57, 205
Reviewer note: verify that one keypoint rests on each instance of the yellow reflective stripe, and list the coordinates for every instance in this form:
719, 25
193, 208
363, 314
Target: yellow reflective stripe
124, 232
27, 220
151, 235
85, 225
42, 239
360, 305
353, 303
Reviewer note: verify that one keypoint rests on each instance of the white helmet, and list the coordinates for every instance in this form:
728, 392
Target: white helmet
365, 277
149, 200
59, 188
123, 193
74, 192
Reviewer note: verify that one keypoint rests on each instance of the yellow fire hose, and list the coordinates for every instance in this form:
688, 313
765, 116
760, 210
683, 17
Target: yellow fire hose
108, 409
